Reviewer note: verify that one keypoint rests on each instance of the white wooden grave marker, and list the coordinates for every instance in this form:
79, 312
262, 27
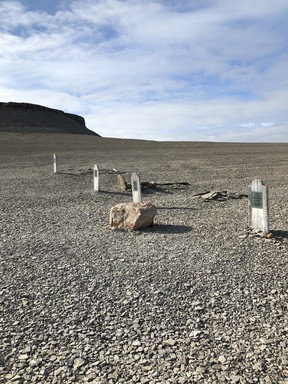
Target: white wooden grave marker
258, 207
136, 188
55, 163
96, 177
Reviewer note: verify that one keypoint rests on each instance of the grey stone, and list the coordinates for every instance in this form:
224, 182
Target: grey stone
78, 363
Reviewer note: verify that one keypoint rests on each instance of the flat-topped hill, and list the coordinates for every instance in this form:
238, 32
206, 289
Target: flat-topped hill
33, 118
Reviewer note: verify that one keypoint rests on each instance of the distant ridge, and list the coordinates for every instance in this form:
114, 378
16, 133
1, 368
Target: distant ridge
34, 118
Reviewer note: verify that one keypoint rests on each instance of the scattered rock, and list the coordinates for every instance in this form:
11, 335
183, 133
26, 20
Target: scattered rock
78, 363
23, 357
222, 359
34, 362
87, 305
136, 343
169, 342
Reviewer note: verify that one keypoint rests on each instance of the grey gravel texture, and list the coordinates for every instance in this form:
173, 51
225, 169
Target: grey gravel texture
192, 299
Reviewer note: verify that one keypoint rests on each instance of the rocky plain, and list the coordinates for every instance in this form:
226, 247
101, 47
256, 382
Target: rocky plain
195, 298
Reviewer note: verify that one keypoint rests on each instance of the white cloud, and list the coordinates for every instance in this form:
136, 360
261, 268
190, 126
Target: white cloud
209, 70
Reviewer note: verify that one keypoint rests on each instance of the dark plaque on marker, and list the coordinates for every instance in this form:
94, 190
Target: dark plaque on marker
257, 199
135, 186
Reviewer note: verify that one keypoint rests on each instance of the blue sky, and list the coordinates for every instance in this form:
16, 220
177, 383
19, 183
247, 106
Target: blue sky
214, 70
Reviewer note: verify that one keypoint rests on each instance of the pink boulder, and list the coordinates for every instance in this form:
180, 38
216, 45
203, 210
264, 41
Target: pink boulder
132, 216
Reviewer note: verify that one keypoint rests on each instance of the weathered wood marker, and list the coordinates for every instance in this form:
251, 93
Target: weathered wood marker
136, 188
55, 163
259, 207
96, 177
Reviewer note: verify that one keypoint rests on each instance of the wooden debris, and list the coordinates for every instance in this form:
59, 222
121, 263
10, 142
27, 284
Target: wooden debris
251, 232
153, 186
219, 195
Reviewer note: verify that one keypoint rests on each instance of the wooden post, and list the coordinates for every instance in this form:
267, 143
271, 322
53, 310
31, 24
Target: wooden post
259, 207
96, 177
136, 188
55, 163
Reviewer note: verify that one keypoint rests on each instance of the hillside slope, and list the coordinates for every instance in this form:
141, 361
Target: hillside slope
33, 118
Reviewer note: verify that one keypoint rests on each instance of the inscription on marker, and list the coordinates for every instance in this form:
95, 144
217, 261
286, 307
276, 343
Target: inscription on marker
257, 199
135, 186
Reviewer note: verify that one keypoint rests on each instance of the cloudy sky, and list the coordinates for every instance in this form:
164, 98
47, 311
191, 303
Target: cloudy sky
214, 70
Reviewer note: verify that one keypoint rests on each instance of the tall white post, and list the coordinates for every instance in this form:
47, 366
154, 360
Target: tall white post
136, 188
259, 207
55, 163
96, 177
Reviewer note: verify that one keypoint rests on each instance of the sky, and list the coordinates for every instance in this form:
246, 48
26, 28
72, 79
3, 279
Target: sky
179, 70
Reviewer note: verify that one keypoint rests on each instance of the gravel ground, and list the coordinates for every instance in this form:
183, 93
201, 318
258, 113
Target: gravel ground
189, 300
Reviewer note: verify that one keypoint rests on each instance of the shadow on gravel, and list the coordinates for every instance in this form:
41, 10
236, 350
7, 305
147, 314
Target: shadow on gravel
282, 234
115, 193
158, 190
167, 228
179, 208
68, 173
77, 174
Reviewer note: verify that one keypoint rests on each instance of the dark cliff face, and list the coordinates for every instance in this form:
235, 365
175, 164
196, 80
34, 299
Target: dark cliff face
26, 118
